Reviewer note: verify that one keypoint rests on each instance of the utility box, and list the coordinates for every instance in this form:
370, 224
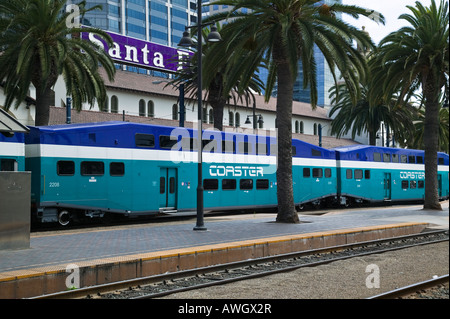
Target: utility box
15, 189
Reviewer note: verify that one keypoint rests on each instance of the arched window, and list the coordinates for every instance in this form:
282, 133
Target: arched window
175, 112
237, 119
230, 119
150, 109
114, 104
141, 107
315, 128
302, 127
297, 127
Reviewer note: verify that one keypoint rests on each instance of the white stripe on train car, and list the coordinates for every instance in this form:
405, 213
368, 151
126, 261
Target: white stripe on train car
12, 149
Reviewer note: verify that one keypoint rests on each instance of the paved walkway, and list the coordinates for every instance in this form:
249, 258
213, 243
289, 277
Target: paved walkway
48, 250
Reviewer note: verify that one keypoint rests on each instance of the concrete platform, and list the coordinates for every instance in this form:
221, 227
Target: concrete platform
112, 254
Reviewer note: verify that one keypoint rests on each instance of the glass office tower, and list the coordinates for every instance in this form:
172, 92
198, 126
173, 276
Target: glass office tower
324, 76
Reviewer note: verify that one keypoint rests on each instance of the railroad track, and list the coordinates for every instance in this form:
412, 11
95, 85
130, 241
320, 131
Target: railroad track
166, 284
410, 289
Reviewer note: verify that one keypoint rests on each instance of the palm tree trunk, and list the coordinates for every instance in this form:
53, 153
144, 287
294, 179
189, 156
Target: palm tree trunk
44, 99
431, 141
372, 138
285, 192
218, 116
217, 102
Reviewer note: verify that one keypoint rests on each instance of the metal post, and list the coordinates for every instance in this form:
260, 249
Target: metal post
320, 135
200, 222
182, 109
68, 110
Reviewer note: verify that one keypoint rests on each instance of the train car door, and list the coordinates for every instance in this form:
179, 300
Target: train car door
387, 186
168, 187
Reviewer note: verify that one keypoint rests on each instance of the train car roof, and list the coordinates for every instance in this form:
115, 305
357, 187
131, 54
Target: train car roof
361, 152
122, 134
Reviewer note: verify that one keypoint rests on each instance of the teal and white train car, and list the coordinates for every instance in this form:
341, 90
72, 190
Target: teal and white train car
137, 169
377, 174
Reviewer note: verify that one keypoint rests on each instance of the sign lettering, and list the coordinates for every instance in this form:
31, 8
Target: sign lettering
140, 53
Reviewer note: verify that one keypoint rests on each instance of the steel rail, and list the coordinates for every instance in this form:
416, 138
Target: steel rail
408, 290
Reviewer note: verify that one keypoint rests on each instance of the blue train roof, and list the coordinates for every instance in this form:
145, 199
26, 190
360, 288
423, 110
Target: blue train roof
16, 138
366, 152
122, 134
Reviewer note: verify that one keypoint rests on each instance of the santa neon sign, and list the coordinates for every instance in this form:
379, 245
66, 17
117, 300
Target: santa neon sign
140, 53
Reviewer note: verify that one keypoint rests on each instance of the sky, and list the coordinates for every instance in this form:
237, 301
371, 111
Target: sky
390, 9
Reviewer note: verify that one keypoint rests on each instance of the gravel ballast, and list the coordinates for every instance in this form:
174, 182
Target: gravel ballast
348, 279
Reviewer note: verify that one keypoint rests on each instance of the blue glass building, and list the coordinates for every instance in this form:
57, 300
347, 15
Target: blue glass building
324, 77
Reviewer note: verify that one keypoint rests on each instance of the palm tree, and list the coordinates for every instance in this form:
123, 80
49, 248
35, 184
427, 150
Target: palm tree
417, 56
37, 45
286, 31
217, 80
415, 139
366, 117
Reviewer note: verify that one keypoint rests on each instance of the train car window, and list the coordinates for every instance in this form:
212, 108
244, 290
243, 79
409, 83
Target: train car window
172, 185
315, 152
358, 173
228, 184
349, 174
166, 142
246, 184
419, 159
412, 159
294, 151
144, 140
211, 184
403, 159
228, 146
162, 185
405, 184
386, 157
65, 168
317, 172
116, 169
327, 172
262, 184
245, 148
92, 168
273, 149
210, 146
188, 144
306, 172
412, 184
367, 174
377, 157
420, 184
8, 165
395, 158
262, 149
440, 161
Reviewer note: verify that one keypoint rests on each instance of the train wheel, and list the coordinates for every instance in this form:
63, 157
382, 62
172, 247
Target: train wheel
64, 218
